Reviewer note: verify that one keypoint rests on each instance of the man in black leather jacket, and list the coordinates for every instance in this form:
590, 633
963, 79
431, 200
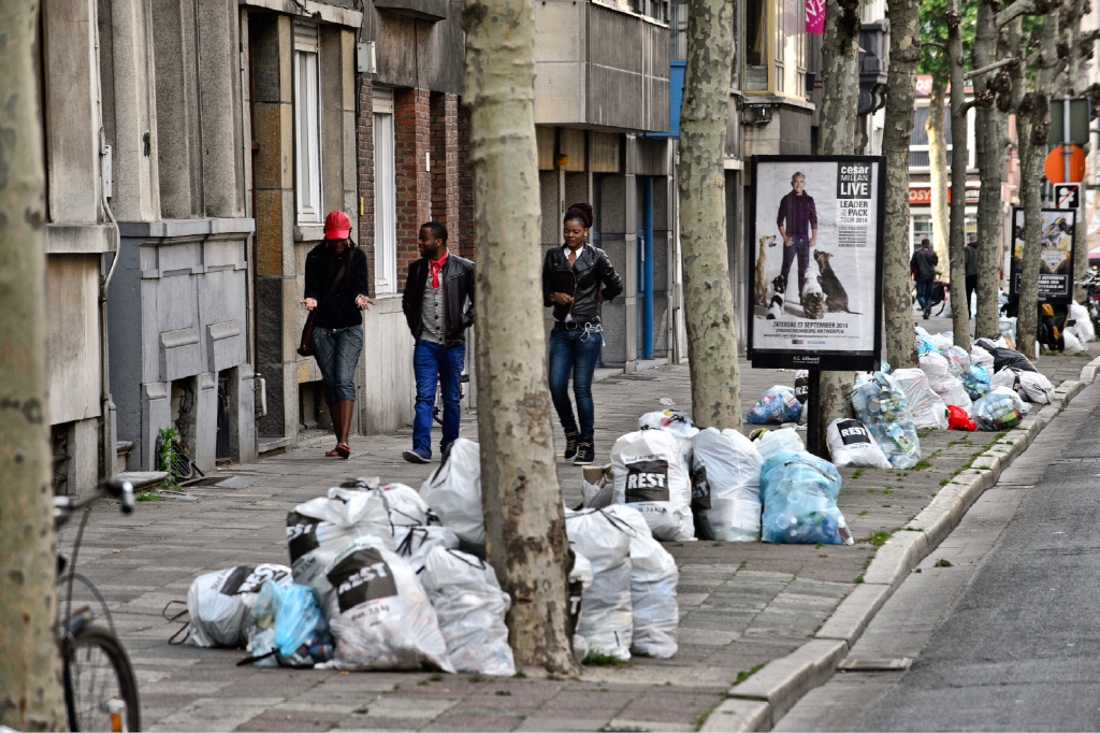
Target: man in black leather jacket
438, 303
576, 278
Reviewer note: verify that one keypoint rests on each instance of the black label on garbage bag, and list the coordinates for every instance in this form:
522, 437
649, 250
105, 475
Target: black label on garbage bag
360, 577
802, 388
700, 488
853, 432
301, 535
250, 578
646, 481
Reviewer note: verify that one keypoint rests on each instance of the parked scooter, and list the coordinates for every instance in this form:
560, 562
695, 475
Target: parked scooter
1091, 282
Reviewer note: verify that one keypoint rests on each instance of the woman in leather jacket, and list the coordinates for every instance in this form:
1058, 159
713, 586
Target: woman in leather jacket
576, 278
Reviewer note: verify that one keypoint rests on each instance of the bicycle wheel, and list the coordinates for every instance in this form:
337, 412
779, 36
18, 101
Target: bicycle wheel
98, 671
943, 303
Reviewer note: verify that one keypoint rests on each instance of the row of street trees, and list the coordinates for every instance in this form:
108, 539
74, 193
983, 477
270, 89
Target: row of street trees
1015, 66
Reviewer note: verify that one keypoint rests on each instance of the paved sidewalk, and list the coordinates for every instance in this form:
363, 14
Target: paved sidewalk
793, 608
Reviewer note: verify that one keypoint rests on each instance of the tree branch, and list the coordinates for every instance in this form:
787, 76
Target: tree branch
932, 44
1018, 8
991, 67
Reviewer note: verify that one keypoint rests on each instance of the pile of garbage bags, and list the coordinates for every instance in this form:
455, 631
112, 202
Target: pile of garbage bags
377, 580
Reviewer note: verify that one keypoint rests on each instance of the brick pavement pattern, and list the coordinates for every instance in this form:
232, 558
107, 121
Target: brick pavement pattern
742, 605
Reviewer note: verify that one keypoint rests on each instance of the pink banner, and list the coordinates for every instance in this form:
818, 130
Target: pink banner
815, 16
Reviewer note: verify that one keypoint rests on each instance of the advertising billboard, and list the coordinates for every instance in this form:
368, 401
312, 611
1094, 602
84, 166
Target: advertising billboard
1058, 239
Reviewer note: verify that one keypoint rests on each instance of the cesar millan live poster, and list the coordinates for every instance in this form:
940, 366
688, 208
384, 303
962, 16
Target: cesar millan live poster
816, 262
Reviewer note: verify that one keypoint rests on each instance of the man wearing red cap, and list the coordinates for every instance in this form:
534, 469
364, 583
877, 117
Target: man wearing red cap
439, 306
337, 284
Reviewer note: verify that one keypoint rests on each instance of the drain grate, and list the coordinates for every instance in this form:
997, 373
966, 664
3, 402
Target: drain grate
886, 664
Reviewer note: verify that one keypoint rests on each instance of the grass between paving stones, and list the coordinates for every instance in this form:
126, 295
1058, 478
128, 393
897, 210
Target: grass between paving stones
702, 719
148, 496
598, 659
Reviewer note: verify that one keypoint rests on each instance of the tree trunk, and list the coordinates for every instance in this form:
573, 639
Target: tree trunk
708, 299
937, 169
960, 156
30, 663
1033, 120
990, 137
839, 102
1075, 83
524, 518
901, 349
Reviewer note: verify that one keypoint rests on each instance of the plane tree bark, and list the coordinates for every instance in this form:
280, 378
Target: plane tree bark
30, 663
960, 158
524, 517
901, 350
708, 299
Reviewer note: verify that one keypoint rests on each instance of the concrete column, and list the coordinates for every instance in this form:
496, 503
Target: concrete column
206, 415
220, 97
72, 110
273, 181
136, 189
617, 223
178, 138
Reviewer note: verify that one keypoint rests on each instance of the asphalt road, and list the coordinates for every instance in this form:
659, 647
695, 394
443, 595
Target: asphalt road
1000, 622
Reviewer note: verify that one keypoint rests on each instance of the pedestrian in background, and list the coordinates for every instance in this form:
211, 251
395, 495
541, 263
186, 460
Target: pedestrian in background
438, 303
576, 278
971, 271
337, 284
922, 265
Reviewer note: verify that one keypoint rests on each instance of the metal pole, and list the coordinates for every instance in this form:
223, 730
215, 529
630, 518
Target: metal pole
1065, 138
647, 268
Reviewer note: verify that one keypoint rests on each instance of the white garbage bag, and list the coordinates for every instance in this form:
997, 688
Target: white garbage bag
851, 444
942, 379
958, 361
674, 422
606, 622
378, 612
726, 486
650, 474
580, 579
319, 528
1079, 313
597, 486
928, 409
1073, 338
453, 491
406, 507
1036, 388
653, 579
770, 442
413, 543
219, 604
470, 607
980, 357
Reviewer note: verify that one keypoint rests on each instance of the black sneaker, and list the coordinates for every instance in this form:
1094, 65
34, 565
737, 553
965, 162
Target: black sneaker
586, 455
571, 446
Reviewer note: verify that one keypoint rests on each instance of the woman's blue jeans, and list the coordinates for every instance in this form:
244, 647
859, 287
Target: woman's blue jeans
431, 362
337, 353
574, 351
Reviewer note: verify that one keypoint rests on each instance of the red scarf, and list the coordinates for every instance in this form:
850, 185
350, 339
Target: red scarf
434, 266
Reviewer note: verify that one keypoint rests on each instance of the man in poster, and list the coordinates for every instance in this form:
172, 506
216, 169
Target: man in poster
797, 222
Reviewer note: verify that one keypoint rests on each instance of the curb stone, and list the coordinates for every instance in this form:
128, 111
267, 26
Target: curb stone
758, 702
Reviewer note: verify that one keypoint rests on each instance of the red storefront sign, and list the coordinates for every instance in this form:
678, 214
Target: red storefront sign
922, 195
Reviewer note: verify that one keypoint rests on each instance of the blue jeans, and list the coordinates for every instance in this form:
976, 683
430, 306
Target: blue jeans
445, 363
337, 353
924, 293
574, 352
800, 248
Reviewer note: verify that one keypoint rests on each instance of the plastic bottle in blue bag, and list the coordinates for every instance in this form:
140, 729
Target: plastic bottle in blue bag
976, 381
776, 405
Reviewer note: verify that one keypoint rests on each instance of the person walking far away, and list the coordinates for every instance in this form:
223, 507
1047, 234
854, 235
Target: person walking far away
922, 265
971, 271
797, 222
439, 306
336, 287
576, 278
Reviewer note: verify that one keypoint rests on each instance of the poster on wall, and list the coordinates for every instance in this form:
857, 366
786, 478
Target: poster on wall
1056, 259
815, 300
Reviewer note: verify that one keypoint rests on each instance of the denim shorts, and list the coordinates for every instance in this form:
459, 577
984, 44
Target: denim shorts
337, 352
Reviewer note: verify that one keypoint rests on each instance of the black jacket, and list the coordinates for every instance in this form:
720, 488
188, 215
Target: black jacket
339, 311
457, 280
591, 272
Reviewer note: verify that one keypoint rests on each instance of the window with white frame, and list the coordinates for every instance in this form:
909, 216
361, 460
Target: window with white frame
307, 123
385, 194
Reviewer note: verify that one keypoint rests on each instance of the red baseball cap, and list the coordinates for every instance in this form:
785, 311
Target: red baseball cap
337, 225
